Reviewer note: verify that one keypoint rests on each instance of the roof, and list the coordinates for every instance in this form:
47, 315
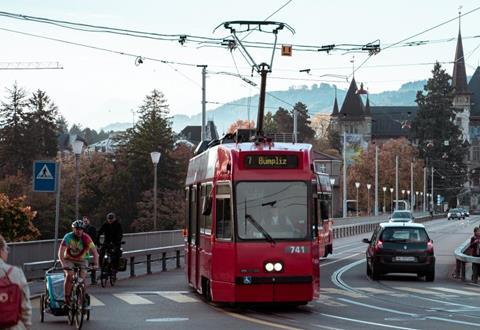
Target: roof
323, 156
459, 77
352, 105
367, 108
474, 87
401, 224
392, 121
335, 107
194, 133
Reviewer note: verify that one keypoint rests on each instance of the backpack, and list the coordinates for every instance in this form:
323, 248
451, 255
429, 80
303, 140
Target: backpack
10, 301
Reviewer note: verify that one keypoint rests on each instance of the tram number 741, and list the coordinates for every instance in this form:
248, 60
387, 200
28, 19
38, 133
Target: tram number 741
296, 249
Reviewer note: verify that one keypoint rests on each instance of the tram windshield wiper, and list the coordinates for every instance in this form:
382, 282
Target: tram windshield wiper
260, 228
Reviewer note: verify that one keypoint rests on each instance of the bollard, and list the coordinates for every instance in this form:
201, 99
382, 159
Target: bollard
462, 271
475, 272
149, 264
178, 258
132, 266
458, 266
164, 261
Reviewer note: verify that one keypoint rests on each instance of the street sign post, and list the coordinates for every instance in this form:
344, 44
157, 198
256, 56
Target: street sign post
44, 176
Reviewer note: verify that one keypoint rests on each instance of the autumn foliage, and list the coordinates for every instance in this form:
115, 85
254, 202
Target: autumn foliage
16, 219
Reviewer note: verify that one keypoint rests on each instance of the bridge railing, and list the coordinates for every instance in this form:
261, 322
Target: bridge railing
36, 270
464, 259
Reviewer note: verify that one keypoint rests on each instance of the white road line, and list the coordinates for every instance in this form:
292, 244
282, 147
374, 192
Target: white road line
325, 327
342, 292
477, 325
132, 299
334, 261
426, 292
374, 290
95, 302
168, 319
461, 292
177, 297
377, 307
365, 322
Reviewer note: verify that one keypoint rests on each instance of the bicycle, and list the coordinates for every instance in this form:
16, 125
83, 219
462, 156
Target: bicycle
79, 305
108, 273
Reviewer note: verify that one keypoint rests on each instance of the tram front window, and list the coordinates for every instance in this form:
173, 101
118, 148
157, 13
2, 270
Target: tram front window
275, 209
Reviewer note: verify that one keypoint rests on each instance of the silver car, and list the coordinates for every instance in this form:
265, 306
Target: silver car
401, 216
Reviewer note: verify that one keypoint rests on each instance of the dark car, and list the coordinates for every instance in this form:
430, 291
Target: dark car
400, 248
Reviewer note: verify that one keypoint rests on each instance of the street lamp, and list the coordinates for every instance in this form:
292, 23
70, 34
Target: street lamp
357, 185
77, 150
403, 193
384, 190
422, 201
391, 199
408, 198
416, 199
155, 155
368, 197
332, 182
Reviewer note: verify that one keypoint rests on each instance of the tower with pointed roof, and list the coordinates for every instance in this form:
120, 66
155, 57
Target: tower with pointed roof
353, 118
461, 101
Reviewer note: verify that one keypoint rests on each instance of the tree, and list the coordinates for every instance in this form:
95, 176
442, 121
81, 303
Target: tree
363, 171
320, 123
305, 132
241, 124
440, 140
283, 120
16, 219
41, 126
12, 132
269, 125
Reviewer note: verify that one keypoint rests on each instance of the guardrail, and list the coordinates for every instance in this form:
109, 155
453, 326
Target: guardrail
464, 259
36, 270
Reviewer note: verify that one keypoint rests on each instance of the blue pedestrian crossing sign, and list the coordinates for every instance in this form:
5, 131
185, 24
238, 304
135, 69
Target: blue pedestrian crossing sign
44, 176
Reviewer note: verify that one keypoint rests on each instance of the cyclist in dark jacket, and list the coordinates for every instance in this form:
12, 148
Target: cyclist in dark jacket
112, 229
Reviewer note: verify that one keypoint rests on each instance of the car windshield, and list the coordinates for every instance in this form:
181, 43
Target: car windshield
272, 210
401, 215
404, 234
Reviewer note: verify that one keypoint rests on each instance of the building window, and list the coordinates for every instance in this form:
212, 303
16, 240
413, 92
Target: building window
320, 167
476, 153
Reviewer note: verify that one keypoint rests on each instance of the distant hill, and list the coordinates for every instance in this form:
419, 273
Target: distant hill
318, 98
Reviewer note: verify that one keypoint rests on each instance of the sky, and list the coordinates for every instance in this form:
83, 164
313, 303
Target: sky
96, 88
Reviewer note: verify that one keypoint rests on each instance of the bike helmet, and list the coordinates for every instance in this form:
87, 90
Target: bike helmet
77, 224
111, 216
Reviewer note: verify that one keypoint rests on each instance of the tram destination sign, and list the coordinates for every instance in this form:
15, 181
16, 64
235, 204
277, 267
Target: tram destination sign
271, 161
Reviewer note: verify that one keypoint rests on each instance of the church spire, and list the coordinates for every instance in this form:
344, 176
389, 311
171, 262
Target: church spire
335, 105
352, 105
459, 77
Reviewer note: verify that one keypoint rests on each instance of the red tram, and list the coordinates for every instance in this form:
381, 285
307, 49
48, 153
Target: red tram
256, 223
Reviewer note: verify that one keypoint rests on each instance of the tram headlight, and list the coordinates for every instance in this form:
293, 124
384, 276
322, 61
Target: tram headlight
278, 266
269, 267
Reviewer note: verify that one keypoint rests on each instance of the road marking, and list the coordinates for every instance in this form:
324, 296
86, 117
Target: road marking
377, 307
342, 292
95, 302
365, 322
329, 301
325, 327
375, 290
133, 299
168, 319
462, 292
332, 262
177, 297
262, 322
427, 292
453, 321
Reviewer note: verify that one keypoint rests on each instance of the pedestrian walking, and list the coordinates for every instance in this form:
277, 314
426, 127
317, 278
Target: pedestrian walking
15, 306
475, 251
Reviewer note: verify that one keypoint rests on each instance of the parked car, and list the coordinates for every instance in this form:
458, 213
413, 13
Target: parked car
455, 214
400, 248
401, 216
464, 212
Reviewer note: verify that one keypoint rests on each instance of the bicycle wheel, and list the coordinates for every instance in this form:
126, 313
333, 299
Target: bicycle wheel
113, 277
71, 312
79, 312
103, 276
42, 308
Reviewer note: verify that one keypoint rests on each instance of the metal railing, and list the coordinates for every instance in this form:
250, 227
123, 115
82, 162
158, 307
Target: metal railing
36, 270
464, 259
